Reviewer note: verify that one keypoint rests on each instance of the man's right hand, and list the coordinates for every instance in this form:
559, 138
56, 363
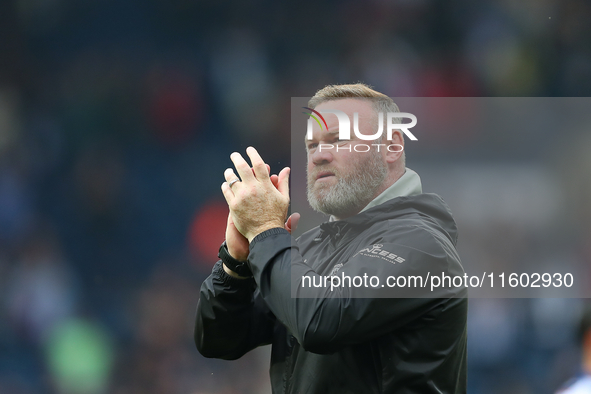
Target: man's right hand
237, 243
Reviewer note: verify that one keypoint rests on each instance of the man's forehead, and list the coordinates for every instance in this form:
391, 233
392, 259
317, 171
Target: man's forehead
318, 133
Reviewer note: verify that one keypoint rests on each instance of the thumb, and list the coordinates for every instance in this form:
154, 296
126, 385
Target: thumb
292, 222
283, 182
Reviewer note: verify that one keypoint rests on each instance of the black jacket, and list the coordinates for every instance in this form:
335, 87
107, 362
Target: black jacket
335, 341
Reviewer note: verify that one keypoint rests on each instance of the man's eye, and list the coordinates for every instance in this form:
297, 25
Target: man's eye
312, 146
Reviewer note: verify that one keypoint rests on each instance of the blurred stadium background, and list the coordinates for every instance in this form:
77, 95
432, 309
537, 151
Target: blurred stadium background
116, 122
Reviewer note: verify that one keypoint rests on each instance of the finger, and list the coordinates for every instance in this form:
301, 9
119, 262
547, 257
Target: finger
242, 167
258, 165
230, 176
228, 193
268, 169
292, 222
275, 180
295, 220
283, 184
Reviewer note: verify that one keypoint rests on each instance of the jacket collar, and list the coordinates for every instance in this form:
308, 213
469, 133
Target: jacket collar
409, 184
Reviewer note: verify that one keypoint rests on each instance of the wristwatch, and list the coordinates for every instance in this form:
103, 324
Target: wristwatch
239, 267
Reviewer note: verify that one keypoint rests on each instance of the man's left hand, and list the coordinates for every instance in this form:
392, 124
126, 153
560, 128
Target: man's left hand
256, 205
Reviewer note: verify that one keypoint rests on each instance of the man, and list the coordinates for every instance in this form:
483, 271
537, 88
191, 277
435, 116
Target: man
338, 339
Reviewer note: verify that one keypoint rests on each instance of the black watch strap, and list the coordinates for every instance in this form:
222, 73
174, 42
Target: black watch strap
239, 267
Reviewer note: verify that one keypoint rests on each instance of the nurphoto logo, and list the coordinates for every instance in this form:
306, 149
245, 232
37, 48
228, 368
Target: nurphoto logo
393, 122
345, 124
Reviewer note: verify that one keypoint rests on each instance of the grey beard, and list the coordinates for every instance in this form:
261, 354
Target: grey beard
352, 192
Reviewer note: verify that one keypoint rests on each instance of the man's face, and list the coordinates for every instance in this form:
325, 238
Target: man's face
341, 181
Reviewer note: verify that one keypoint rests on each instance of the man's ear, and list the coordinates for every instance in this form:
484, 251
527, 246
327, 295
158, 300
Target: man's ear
394, 147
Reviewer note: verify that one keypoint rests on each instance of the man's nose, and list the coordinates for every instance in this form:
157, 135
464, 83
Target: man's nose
322, 154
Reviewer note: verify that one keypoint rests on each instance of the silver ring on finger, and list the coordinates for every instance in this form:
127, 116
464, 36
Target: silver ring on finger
233, 182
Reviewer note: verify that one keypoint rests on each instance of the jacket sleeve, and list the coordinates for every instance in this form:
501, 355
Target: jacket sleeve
322, 319
231, 319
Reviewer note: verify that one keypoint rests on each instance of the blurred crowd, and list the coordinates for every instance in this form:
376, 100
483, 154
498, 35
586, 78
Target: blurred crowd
117, 119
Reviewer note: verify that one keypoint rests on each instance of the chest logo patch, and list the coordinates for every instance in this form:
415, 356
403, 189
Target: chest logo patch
376, 251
